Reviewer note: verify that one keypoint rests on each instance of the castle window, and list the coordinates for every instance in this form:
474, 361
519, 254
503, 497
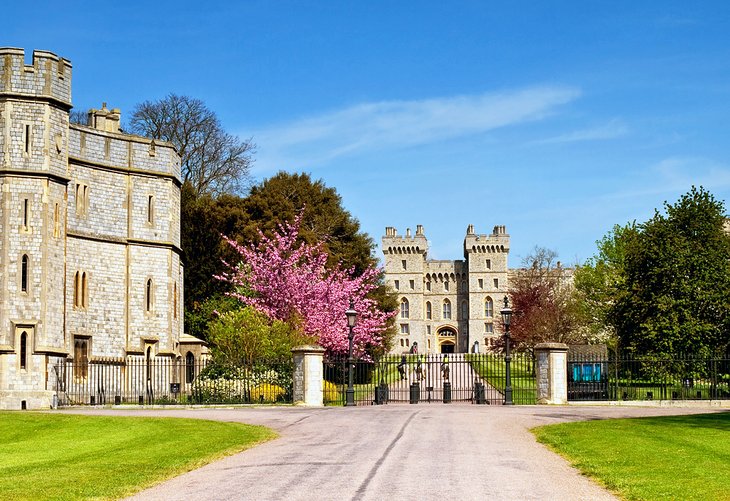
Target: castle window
428, 310
481, 283
56, 222
396, 284
489, 308
447, 309
463, 286
402, 343
189, 367
496, 283
404, 329
150, 209
464, 310
82, 199
446, 286
24, 350
24, 273
81, 358
412, 284
428, 331
26, 139
77, 290
408, 343
84, 291
174, 301
489, 264
428, 286
404, 264
26, 211
404, 308
488, 327
148, 295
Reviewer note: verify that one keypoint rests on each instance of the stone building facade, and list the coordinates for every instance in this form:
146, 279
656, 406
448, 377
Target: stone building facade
90, 261
447, 306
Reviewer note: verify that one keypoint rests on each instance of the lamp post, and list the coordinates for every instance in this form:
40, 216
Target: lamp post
351, 321
506, 318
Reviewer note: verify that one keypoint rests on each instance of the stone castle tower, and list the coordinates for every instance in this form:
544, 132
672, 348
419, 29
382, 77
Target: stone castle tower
445, 306
89, 234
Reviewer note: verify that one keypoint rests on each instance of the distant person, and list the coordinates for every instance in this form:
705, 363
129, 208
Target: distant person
475, 348
402, 367
414, 348
445, 368
419, 370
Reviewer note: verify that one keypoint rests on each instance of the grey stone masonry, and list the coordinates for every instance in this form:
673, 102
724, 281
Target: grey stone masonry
90, 252
447, 305
552, 369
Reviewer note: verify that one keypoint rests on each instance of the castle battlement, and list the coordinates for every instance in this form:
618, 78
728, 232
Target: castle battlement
406, 244
49, 76
497, 241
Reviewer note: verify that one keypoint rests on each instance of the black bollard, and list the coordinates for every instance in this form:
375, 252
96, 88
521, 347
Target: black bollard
447, 392
415, 392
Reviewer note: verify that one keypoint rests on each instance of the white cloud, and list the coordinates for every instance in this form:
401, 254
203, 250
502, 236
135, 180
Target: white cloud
614, 128
396, 124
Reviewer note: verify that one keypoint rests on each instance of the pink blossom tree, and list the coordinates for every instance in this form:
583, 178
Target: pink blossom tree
288, 281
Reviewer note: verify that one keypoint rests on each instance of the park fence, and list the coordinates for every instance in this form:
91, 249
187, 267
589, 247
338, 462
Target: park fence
614, 376
163, 381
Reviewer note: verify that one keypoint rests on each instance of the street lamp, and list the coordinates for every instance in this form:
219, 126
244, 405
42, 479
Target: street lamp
351, 321
506, 318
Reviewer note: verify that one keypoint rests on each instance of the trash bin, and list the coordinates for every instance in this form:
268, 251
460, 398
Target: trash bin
447, 392
415, 392
381, 394
479, 396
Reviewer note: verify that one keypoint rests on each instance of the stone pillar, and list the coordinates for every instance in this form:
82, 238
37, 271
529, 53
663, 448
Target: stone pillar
552, 373
308, 375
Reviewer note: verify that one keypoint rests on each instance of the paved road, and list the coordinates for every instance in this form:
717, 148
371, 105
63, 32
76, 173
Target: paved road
396, 452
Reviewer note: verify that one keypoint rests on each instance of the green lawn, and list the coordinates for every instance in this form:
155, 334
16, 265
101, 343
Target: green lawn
492, 369
62, 456
675, 457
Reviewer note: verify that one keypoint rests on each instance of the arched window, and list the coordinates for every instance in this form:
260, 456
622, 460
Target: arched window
24, 350
189, 367
77, 290
148, 295
464, 310
489, 308
84, 291
447, 309
404, 308
24, 273
429, 313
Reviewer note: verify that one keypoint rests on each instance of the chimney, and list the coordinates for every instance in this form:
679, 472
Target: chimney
105, 119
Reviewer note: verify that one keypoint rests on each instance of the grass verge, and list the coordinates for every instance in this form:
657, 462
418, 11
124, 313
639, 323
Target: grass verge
673, 457
63, 456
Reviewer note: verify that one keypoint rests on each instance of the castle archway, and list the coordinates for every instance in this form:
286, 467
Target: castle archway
447, 340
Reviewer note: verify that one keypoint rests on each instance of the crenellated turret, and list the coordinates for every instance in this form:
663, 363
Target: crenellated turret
49, 76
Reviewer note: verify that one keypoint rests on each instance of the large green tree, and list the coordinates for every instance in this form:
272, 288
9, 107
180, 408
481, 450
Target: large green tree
676, 284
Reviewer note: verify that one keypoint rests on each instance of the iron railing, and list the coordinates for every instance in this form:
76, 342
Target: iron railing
161, 381
466, 378
627, 377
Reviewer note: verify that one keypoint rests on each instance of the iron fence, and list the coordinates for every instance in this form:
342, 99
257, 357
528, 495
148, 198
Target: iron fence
627, 377
160, 381
431, 378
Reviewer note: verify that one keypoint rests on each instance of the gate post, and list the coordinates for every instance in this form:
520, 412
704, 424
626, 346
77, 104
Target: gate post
552, 373
308, 375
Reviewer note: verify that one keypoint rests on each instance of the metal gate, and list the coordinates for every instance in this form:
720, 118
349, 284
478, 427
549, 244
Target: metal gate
475, 378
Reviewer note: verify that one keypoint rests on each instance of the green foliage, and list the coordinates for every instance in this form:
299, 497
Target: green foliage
676, 289
331, 392
61, 456
324, 220
199, 315
267, 392
676, 457
239, 336
600, 281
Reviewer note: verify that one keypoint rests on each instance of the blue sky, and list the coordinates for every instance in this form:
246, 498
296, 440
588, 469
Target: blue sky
556, 119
